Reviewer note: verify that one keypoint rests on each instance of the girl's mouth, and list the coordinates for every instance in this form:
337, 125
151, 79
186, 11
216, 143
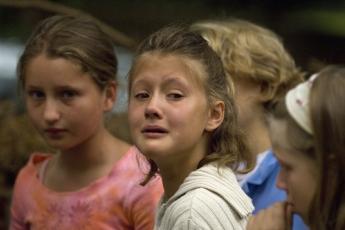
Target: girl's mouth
153, 131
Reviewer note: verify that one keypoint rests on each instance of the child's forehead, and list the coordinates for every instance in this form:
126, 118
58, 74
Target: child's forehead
167, 56
179, 62
45, 57
58, 70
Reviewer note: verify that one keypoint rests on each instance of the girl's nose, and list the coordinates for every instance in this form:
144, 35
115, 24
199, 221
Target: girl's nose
152, 110
51, 111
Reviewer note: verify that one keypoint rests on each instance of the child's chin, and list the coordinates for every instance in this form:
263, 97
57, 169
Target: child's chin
150, 154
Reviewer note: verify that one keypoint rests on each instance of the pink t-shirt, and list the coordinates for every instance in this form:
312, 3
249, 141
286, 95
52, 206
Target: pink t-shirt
115, 201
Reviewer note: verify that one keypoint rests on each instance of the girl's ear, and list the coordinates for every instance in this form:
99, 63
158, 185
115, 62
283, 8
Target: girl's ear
216, 116
110, 96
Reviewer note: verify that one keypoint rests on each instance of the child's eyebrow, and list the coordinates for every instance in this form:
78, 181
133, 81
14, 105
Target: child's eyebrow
174, 80
169, 80
139, 81
32, 87
62, 87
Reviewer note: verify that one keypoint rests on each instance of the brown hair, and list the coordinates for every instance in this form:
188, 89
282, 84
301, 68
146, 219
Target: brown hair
225, 145
327, 109
326, 146
74, 38
252, 52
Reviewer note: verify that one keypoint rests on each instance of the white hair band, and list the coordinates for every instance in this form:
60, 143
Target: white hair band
297, 103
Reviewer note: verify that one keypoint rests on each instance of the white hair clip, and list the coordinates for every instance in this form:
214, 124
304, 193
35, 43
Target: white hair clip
297, 103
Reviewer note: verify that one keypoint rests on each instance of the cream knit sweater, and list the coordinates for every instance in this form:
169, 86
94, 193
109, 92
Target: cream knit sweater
207, 199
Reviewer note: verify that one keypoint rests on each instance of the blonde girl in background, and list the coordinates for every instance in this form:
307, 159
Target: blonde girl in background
308, 137
67, 74
182, 118
261, 71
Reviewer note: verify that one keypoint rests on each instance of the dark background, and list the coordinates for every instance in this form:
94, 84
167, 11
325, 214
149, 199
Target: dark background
312, 30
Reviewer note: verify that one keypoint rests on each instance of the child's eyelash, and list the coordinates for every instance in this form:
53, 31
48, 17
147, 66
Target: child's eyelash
141, 95
35, 94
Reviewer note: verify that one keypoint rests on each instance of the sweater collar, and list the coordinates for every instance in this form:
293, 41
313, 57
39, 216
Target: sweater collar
221, 181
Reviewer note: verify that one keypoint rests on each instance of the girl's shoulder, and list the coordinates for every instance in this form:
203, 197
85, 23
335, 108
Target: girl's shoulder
133, 159
37, 158
35, 161
203, 208
212, 193
131, 169
29, 173
129, 172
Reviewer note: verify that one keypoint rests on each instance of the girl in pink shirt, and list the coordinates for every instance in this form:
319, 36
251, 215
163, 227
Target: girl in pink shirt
67, 74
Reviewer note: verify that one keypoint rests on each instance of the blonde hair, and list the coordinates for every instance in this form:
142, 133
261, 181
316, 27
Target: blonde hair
253, 52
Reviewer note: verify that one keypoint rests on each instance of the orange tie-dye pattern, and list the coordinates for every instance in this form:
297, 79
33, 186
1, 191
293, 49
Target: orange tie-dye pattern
116, 201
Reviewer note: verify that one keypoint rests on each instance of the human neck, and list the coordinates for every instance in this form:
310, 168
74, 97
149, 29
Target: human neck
78, 167
172, 179
257, 137
174, 173
93, 152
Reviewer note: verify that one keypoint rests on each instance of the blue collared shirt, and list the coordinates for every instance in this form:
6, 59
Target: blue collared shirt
261, 187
